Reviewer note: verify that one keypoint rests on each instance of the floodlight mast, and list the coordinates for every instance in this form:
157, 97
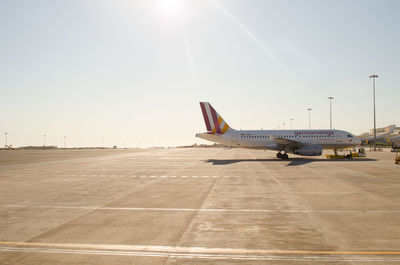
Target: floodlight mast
373, 87
309, 118
330, 112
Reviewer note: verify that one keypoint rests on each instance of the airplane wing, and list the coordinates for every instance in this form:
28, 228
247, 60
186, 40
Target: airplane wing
284, 142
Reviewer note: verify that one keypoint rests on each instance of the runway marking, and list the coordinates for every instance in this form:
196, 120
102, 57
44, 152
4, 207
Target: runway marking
201, 252
142, 176
198, 210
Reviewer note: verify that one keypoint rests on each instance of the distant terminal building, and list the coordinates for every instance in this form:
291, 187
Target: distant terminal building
383, 135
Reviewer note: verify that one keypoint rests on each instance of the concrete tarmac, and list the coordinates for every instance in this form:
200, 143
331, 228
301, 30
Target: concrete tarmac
197, 206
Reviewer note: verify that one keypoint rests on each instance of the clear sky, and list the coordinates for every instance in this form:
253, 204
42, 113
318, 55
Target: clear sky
132, 72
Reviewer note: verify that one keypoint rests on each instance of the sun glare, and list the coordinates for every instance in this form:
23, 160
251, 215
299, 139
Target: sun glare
170, 9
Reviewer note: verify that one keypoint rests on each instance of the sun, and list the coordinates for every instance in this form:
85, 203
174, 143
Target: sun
170, 9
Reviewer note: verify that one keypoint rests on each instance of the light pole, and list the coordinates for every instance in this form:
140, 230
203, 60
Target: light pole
373, 85
330, 112
291, 122
283, 125
65, 137
5, 138
309, 118
44, 140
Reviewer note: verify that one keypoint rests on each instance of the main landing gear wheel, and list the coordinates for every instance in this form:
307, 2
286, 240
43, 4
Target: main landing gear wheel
283, 156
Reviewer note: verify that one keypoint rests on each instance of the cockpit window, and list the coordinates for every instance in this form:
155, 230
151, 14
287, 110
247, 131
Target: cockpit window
350, 136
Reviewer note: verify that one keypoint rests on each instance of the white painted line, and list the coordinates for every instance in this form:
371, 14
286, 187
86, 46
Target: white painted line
199, 252
183, 176
199, 210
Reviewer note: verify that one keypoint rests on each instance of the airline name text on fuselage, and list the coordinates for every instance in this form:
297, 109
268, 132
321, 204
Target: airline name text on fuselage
319, 133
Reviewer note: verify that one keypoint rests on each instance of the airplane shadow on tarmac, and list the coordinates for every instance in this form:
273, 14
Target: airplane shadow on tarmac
293, 161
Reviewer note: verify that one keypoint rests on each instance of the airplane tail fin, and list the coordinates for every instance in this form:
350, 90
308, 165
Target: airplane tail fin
214, 122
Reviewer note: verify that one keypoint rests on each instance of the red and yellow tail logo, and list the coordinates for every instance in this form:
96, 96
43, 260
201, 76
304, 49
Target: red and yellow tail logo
214, 122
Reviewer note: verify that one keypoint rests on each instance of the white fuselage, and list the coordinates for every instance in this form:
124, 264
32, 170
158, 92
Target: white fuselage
272, 139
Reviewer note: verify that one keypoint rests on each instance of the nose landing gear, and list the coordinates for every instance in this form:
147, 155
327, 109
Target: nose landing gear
283, 156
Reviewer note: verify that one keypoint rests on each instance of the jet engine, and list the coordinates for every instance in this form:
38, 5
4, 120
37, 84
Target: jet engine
309, 150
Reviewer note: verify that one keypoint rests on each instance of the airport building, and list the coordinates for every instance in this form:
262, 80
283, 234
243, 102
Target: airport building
383, 134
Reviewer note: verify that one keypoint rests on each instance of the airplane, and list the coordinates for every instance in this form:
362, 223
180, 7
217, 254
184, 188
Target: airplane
299, 142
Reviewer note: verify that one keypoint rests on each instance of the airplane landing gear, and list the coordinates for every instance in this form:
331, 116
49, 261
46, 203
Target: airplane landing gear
282, 156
